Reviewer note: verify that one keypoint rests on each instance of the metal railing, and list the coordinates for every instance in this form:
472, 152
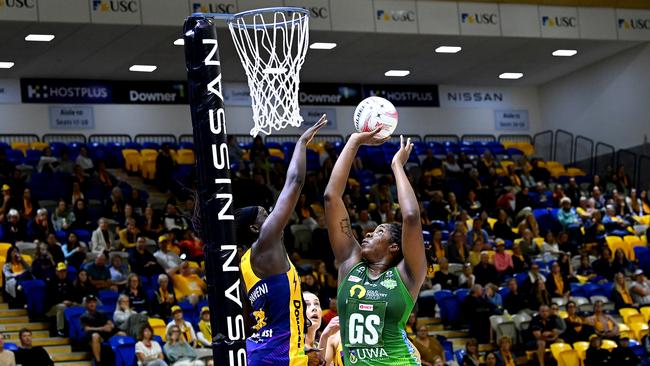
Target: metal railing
516, 138
17, 137
478, 138
604, 158
441, 138
627, 159
157, 139
583, 154
109, 139
65, 138
543, 144
562, 147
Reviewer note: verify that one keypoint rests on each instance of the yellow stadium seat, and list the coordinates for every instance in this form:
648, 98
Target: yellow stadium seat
500, 172
563, 314
491, 222
569, 358
146, 153
20, 145
624, 330
614, 242
639, 330
608, 344
525, 147
626, 313
4, 248
646, 312
159, 327
581, 348
132, 160
635, 318
506, 163
185, 157
27, 258
148, 168
37, 145
276, 153
575, 172
557, 348
643, 220
539, 242
554, 164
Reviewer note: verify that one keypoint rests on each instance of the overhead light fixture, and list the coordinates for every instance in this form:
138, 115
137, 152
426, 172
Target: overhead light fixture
179, 42
511, 75
397, 73
39, 37
564, 53
6, 65
322, 46
448, 49
143, 68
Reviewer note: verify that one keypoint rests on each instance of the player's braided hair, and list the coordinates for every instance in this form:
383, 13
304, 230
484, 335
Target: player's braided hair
395, 231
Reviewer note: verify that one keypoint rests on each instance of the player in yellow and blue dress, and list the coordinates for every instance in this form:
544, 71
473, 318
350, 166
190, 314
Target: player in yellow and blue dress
272, 283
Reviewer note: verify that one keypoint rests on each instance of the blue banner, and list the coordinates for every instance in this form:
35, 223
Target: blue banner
66, 91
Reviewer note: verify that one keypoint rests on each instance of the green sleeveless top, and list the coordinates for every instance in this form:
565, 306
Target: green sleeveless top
373, 314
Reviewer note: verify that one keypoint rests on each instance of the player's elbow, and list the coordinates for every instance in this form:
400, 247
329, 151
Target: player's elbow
411, 217
328, 196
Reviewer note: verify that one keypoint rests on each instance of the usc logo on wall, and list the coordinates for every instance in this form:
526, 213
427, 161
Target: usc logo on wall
115, 6
18, 4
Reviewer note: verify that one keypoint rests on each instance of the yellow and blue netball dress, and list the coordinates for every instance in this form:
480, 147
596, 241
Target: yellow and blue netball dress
279, 315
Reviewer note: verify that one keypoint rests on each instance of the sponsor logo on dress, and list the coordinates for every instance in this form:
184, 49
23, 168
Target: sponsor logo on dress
366, 307
389, 283
354, 279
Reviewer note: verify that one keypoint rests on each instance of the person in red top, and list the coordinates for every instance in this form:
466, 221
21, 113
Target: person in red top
502, 260
331, 312
192, 246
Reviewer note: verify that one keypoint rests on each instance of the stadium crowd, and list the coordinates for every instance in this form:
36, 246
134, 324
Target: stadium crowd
506, 244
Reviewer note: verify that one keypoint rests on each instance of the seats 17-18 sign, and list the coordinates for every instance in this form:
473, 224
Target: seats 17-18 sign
71, 117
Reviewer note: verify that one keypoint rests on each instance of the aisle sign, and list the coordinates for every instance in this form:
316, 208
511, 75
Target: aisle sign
311, 115
511, 120
71, 117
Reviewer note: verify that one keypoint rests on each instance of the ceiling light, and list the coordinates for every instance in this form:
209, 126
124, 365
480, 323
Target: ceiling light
511, 75
39, 37
397, 73
6, 65
448, 49
565, 53
179, 42
322, 46
143, 68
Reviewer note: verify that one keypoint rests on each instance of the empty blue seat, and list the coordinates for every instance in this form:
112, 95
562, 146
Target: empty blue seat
108, 297
151, 145
124, 350
83, 235
187, 145
34, 291
10, 346
133, 145
459, 356
461, 293
15, 156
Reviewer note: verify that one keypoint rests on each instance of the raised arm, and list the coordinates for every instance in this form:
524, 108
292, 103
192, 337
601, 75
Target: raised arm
286, 203
414, 266
346, 248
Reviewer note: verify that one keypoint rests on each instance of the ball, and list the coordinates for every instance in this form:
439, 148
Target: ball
374, 112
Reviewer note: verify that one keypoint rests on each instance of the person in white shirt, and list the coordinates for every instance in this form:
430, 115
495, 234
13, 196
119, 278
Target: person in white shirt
167, 259
7, 358
147, 350
640, 288
84, 161
102, 238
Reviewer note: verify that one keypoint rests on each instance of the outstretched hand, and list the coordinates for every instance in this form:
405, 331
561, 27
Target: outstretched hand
402, 156
308, 135
371, 138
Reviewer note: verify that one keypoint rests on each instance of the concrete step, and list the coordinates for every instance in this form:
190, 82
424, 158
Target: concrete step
12, 313
58, 349
13, 336
453, 333
15, 319
18, 325
71, 356
4, 305
74, 363
54, 341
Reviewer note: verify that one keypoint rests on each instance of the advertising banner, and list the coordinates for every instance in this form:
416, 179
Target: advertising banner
633, 25
19, 10
519, 20
319, 12
393, 16
115, 11
150, 92
511, 120
66, 91
237, 94
71, 117
438, 17
329, 94
69, 11
559, 22
9, 91
405, 95
479, 19
473, 97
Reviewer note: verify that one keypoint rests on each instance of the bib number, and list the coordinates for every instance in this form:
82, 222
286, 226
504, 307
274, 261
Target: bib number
365, 323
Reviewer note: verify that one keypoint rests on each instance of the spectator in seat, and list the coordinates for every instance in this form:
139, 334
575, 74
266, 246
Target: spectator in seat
545, 332
147, 350
26, 205
437, 247
97, 328
467, 278
151, 225
622, 296
41, 225
492, 295
436, 209
576, 328
428, 347
165, 165
533, 276
82, 218
477, 234
603, 265
185, 327
122, 311
478, 310
446, 280
178, 350
585, 268
555, 313
365, 222
187, 285
235, 153
527, 244
62, 218
192, 246
515, 301
485, 272
595, 355
623, 354
604, 325
27, 354
142, 261
119, 271
43, 267
504, 355
82, 287
60, 296
84, 161
165, 298
502, 228
557, 284
174, 222
99, 273
331, 312
205, 329
54, 248
106, 180
502, 260
471, 357
48, 163
168, 260
550, 248
115, 205
7, 358
538, 295
137, 296
14, 271
640, 288
129, 235
457, 251
520, 261
13, 228
102, 238
620, 263
74, 252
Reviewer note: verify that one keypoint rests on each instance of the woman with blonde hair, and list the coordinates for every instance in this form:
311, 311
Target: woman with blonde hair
178, 351
621, 295
123, 311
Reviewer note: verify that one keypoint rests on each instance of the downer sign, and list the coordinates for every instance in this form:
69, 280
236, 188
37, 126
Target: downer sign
163, 92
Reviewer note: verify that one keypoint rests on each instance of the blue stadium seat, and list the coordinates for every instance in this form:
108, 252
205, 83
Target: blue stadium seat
4, 146
72, 315
83, 235
187, 145
32, 157
133, 145
461, 294
459, 356
151, 145
108, 297
16, 157
11, 346
34, 291
124, 350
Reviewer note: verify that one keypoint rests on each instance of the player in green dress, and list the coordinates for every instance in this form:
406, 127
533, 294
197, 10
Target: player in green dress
379, 279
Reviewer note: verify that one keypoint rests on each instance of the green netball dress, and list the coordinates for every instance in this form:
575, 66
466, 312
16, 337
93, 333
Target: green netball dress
373, 314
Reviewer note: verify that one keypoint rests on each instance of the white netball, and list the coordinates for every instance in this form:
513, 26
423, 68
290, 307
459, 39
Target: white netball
374, 112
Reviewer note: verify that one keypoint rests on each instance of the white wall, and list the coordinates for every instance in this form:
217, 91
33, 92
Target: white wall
608, 101
175, 119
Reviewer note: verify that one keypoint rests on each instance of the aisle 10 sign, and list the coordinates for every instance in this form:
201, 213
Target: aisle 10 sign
71, 117
511, 120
